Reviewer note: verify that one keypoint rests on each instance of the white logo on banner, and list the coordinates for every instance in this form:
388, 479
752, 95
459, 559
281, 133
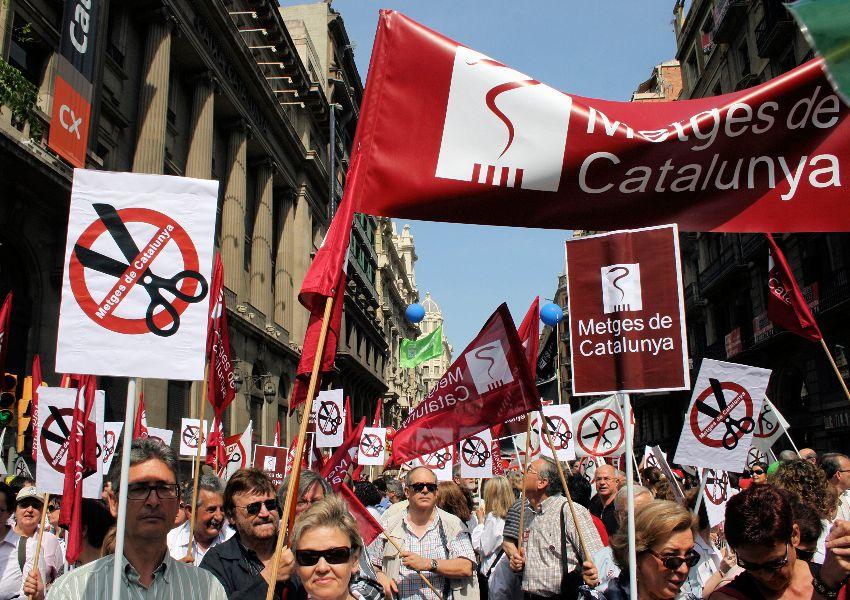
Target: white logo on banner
502, 127
111, 437
329, 412
488, 367
373, 446
621, 288
190, 437
476, 455
559, 421
138, 261
721, 418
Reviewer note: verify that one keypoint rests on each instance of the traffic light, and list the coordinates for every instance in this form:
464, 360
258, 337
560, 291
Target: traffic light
24, 412
8, 400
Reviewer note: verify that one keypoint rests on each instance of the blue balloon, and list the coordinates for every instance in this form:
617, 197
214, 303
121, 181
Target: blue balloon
551, 314
414, 313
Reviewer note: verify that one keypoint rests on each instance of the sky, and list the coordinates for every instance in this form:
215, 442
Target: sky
600, 49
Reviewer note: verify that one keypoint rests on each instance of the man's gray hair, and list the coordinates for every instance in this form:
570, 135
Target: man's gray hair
207, 481
395, 486
549, 472
305, 482
621, 498
143, 450
788, 455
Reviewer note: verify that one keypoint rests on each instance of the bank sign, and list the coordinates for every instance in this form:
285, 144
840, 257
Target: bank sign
627, 321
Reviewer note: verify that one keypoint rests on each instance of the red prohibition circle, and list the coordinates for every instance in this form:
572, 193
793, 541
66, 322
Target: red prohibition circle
761, 431
560, 431
608, 416
232, 449
76, 271
52, 459
722, 481
372, 447
698, 432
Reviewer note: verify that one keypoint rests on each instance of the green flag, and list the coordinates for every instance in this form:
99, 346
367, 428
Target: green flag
416, 352
826, 24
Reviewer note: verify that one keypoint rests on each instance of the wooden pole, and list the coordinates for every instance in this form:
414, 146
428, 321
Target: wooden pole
299, 448
40, 535
197, 464
835, 368
524, 470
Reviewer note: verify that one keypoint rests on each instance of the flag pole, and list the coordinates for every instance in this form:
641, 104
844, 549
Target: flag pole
121, 522
702, 478
399, 550
630, 494
835, 368
197, 462
558, 360
40, 535
299, 447
524, 470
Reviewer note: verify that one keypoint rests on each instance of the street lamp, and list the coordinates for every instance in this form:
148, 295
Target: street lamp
263, 382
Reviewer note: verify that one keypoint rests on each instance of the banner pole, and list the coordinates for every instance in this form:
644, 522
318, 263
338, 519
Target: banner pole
702, 478
129, 421
637, 467
524, 470
790, 439
40, 536
196, 463
630, 494
299, 447
835, 368
558, 360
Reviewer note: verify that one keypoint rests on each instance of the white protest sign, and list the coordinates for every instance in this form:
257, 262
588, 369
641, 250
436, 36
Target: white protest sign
533, 442
163, 435
716, 492
559, 421
329, 413
649, 459
769, 426
599, 429
373, 446
661, 460
190, 434
111, 436
755, 456
476, 455
55, 416
721, 418
440, 462
138, 262
238, 450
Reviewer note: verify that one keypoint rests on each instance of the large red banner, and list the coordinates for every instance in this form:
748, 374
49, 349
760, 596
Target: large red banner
449, 134
627, 322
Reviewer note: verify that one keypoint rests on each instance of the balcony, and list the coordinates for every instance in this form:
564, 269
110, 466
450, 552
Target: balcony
774, 31
728, 15
693, 300
835, 292
727, 263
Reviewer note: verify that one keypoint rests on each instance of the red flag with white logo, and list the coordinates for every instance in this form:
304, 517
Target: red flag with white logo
221, 386
140, 427
5, 317
216, 450
336, 467
488, 384
36, 384
785, 303
369, 528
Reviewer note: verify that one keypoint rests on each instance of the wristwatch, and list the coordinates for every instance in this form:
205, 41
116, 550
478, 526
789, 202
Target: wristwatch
433, 565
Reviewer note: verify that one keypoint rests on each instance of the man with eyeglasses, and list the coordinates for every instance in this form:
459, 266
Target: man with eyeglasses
435, 545
243, 564
148, 570
836, 467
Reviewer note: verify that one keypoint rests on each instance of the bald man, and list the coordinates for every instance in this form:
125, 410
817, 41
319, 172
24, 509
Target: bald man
602, 504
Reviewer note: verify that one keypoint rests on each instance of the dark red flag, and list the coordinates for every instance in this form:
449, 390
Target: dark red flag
140, 427
349, 418
488, 384
221, 388
36, 384
785, 303
276, 440
345, 456
379, 409
369, 528
5, 317
216, 450
529, 335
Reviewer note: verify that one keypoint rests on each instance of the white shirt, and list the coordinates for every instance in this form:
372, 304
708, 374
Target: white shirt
178, 542
487, 541
708, 565
844, 506
12, 582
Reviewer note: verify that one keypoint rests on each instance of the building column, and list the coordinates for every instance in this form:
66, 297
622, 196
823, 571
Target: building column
199, 159
261, 242
233, 210
153, 97
283, 276
303, 240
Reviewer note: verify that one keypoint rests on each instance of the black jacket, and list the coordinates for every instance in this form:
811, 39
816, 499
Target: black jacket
239, 572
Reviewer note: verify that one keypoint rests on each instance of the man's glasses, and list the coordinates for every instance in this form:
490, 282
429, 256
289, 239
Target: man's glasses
673, 562
253, 509
333, 556
420, 487
772, 565
806, 555
141, 491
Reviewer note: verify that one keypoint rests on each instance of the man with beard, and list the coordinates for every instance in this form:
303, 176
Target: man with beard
243, 564
211, 528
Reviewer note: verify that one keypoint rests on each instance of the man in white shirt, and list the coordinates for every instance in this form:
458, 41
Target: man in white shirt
211, 526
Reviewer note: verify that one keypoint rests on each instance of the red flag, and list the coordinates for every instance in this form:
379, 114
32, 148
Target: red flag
216, 451
349, 418
81, 461
221, 386
488, 384
325, 279
496, 451
785, 303
140, 427
276, 441
36, 384
290, 456
529, 335
376, 420
5, 317
369, 528
337, 465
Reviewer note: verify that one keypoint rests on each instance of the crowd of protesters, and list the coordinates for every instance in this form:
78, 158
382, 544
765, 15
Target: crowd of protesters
786, 534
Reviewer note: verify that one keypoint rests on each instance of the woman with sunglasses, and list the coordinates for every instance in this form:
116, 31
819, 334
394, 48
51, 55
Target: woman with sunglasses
759, 472
327, 548
664, 545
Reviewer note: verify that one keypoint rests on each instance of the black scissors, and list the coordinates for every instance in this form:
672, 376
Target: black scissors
765, 425
743, 425
153, 284
606, 443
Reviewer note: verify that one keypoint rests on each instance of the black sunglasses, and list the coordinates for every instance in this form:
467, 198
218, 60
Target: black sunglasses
806, 555
773, 565
758, 472
674, 562
333, 556
253, 509
421, 487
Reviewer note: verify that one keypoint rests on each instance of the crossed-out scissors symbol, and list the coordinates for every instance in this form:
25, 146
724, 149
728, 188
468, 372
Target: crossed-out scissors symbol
600, 434
560, 432
329, 418
766, 426
153, 284
191, 435
439, 459
735, 428
718, 486
475, 452
371, 445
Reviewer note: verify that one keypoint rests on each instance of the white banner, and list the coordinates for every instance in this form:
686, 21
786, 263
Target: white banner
649, 459
476, 455
439, 461
769, 426
55, 415
661, 460
717, 491
138, 262
190, 433
329, 413
238, 451
111, 440
599, 429
721, 418
373, 446
163, 435
560, 423
534, 442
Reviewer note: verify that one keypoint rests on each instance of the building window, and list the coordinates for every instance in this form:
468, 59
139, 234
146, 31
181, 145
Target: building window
692, 68
28, 52
743, 54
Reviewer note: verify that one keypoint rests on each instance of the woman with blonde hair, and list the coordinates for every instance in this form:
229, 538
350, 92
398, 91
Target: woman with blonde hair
664, 546
487, 541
